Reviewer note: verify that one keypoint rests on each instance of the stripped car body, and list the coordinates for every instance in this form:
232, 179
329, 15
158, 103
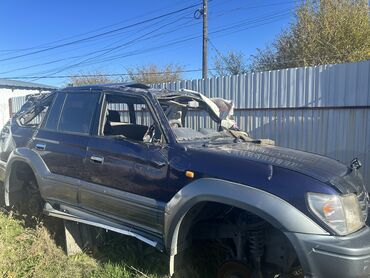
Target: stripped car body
172, 168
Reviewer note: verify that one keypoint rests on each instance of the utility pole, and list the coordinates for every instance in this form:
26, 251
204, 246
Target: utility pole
205, 39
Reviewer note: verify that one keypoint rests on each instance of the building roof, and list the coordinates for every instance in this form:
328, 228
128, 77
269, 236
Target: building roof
15, 84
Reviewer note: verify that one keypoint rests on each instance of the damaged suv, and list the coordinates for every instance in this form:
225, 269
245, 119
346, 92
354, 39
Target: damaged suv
172, 169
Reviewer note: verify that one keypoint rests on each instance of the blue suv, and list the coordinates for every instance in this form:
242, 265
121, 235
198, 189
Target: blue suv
172, 169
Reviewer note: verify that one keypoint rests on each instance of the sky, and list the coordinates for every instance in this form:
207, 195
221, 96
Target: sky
42, 40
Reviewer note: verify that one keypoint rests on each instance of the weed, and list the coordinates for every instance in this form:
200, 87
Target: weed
32, 252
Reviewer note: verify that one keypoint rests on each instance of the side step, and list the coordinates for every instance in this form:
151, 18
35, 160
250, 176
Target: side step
50, 211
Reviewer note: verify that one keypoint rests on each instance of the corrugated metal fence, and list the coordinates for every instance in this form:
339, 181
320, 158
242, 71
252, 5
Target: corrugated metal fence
324, 109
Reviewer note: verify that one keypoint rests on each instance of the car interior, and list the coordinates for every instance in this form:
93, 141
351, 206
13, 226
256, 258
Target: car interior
128, 117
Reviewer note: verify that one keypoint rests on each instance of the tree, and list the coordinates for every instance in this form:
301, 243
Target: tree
324, 32
152, 74
149, 74
230, 64
90, 79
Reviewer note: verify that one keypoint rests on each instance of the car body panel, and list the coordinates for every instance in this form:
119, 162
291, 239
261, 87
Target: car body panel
124, 169
122, 207
64, 153
332, 256
316, 166
236, 162
273, 209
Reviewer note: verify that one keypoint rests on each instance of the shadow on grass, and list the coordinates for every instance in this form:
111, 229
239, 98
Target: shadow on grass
116, 256
199, 261
112, 250
118, 252
132, 253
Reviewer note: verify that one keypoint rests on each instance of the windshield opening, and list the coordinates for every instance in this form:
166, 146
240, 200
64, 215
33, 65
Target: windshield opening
193, 116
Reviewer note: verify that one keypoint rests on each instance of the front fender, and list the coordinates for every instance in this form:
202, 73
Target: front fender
32, 159
271, 208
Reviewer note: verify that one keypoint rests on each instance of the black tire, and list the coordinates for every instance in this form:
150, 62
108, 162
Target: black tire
28, 203
35, 204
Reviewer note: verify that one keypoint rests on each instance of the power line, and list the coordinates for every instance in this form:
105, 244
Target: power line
59, 60
98, 51
101, 34
271, 19
266, 19
106, 51
82, 34
215, 48
113, 49
105, 37
109, 49
134, 53
179, 18
195, 37
137, 52
249, 7
77, 35
100, 75
163, 72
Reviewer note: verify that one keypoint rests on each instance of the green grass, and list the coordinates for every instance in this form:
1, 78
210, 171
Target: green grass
32, 252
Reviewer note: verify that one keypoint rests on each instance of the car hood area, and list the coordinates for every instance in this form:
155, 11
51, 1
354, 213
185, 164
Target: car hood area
316, 166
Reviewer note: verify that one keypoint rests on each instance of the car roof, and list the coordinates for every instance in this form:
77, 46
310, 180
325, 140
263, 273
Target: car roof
137, 88
115, 86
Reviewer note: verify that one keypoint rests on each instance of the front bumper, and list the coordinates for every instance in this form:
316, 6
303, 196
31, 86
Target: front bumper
332, 256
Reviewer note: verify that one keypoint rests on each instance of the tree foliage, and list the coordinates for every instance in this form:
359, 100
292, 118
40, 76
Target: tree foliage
90, 79
147, 74
230, 64
324, 32
152, 74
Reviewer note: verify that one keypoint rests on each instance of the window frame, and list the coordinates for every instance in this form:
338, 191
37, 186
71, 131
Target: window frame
67, 93
146, 100
46, 118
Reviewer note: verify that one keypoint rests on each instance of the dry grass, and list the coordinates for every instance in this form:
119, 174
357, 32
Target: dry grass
28, 252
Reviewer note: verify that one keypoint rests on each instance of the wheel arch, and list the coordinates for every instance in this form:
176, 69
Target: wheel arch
28, 157
274, 210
